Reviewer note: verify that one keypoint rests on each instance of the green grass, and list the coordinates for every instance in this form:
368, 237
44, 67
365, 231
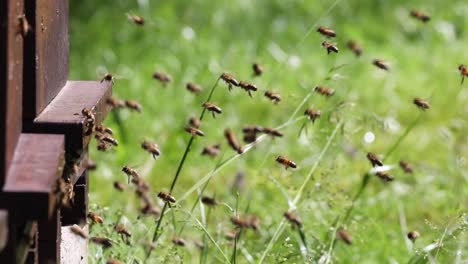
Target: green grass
230, 36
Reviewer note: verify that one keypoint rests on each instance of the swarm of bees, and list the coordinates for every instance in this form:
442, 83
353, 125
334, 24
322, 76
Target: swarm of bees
248, 87
90, 120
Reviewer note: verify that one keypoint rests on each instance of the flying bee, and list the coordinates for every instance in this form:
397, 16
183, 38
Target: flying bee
152, 148
103, 129
413, 235
115, 103
23, 25
214, 109
178, 241
103, 146
103, 241
355, 48
119, 186
240, 222
463, 71
233, 142
199, 244
272, 132
345, 236
254, 222
374, 160
230, 80
274, 97
257, 69
381, 64
133, 105
325, 91
384, 176
329, 47
249, 87
150, 209
293, 218
250, 133
406, 167
422, 104
211, 201
194, 131
312, 114
194, 88
231, 235
287, 163
194, 122
77, 230
107, 138
138, 20
211, 150
166, 197
420, 16
108, 77
120, 229
326, 32
131, 173
90, 165
90, 120
162, 77
95, 218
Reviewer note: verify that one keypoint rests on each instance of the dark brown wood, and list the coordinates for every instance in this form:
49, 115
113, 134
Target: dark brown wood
49, 239
46, 54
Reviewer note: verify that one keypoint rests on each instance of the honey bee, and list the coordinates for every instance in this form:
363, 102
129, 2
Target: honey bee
381, 64
95, 218
274, 97
233, 142
214, 109
133, 105
420, 16
90, 165
166, 197
272, 132
384, 176
293, 218
194, 122
325, 91
150, 209
103, 241
113, 261
211, 201
463, 71
24, 27
162, 77
413, 235
178, 241
90, 120
138, 20
119, 186
312, 114
250, 133
103, 146
131, 173
374, 160
254, 222
422, 104
152, 148
194, 131
355, 48
329, 47
230, 80
231, 235
257, 69
107, 139
248, 87
103, 129
326, 32
194, 88
287, 163
406, 167
108, 77
240, 222
211, 150
76, 229
344, 236
120, 229
115, 103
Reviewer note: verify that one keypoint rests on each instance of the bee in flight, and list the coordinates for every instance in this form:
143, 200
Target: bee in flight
274, 97
194, 131
131, 173
194, 122
166, 197
326, 32
95, 218
420, 16
352, 45
108, 77
152, 148
463, 71
325, 91
214, 109
232, 141
384, 176
178, 241
344, 235
381, 64
103, 241
287, 163
104, 130
194, 88
248, 87
162, 77
119, 186
138, 20
230, 80
115, 103
133, 105
374, 160
413, 235
329, 47
406, 167
312, 114
422, 104
211, 201
293, 218
120, 229
257, 69
272, 132
211, 150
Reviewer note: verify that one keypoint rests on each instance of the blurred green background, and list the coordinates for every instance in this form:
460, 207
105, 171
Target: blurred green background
198, 40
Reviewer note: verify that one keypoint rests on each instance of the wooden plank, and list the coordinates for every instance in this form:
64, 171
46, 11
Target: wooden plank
46, 54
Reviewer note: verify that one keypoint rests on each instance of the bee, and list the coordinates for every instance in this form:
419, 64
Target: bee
325, 91
138, 20
90, 120
254, 222
240, 222
329, 47
178, 241
326, 32
166, 197
463, 71
119, 186
252, 129
113, 261
374, 160
355, 48
211, 150
194, 122
293, 218
194, 88
103, 129
91, 165
420, 16
95, 218
103, 241
214, 109
345, 236
162, 77
406, 167
230, 80
76, 229
150, 209
120, 229
23, 25
131, 173
233, 142
272, 132
107, 139
249, 87
274, 97
194, 131
413, 235
384, 176
257, 69
250, 133
133, 105
152, 148
312, 114
115, 103
211, 201
287, 163
231, 235
103, 146
381, 64
108, 77
422, 104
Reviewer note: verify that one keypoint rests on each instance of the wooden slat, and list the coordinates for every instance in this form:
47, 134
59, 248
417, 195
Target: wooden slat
49, 238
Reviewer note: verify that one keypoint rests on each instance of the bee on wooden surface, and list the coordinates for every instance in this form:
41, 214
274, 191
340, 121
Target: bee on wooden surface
248, 87
385, 176
214, 109
329, 47
77, 230
138, 20
381, 64
374, 160
90, 120
194, 131
114, 261
152, 148
325, 91
413, 235
257, 69
355, 48
344, 236
211, 201
178, 241
95, 218
293, 218
312, 114
120, 186
420, 16
274, 97
194, 122
115, 103
23, 25
133, 105
272, 132
406, 167
230, 80
120, 229
166, 197
232, 141
212, 150
194, 88
108, 77
131, 173
287, 163
326, 32
105, 130
107, 138
102, 241
162, 77
91, 165
463, 71
422, 104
